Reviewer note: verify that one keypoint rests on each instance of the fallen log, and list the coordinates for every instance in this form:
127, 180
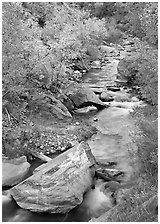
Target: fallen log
58, 186
41, 156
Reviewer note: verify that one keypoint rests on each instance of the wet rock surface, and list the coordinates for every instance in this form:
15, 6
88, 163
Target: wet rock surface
14, 171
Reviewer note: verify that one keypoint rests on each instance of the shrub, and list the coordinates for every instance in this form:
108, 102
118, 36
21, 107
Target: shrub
141, 69
147, 142
42, 42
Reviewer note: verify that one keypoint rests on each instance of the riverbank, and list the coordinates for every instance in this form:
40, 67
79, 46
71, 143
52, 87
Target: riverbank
108, 134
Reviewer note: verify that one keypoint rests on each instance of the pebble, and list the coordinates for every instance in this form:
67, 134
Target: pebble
95, 119
77, 123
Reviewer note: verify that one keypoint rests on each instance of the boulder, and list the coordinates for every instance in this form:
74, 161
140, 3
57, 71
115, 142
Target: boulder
14, 171
58, 186
116, 96
107, 49
83, 96
49, 104
96, 64
66, 102
105, 96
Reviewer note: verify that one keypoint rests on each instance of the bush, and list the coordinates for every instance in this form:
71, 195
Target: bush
147, 142
141, 70
41, 44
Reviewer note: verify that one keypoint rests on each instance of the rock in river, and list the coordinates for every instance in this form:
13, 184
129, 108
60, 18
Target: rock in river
58, 186
14, 170
83, 96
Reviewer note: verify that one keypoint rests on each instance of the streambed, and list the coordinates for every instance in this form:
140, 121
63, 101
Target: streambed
111, 143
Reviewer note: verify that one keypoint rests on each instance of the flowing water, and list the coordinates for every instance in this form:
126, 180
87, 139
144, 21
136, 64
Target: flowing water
111, 143
94, 204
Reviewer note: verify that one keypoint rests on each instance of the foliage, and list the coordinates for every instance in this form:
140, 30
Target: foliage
147, 142
137, 18
141, 70
142, 21
41, 44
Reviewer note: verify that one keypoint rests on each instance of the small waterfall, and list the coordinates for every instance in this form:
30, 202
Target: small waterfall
95, 202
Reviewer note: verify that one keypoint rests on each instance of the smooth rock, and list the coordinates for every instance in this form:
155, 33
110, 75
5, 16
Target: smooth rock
58, 186
85, 110
96, 64
6, 196
14, 171
107, 49
106, 97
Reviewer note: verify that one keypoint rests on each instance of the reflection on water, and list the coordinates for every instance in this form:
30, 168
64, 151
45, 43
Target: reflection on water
94, 204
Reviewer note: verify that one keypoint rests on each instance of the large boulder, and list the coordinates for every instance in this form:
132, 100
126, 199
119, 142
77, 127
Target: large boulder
47, 103
58, 186
14, 170
83, 96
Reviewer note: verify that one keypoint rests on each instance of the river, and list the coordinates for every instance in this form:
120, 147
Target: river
111, 143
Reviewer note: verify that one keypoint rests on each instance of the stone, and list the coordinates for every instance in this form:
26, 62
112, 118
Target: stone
83, 96
134, 99
14, 171
49, 104
66, 102
58, 186
107, 49
108, 174
105, 96
96, 64
105, 164
116, 96
85, 110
